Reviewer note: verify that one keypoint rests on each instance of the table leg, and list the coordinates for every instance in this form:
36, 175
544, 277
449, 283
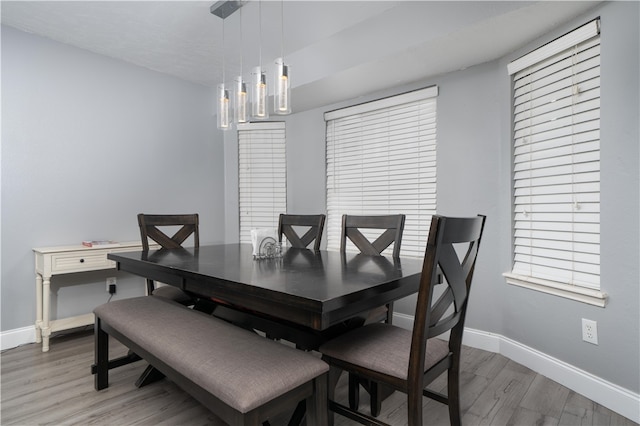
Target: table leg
46, 330
38, 308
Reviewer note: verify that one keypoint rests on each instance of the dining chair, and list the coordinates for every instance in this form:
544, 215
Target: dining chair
371, 235
408, 360
292, 227
155, 227
382, 231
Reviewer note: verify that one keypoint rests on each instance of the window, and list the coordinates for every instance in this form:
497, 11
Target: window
262, 176
556, 167
381, 159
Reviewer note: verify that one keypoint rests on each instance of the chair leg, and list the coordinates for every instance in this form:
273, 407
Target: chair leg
334, 376
317, 406
414, 407
354, 392
453, 391
378, 392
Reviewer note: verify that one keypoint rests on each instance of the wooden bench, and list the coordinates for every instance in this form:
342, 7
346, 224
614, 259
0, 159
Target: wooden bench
240, 376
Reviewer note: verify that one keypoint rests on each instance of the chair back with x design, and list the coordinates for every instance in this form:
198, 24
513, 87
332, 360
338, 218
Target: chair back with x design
292, 227
150, 225
186, 224
392, 226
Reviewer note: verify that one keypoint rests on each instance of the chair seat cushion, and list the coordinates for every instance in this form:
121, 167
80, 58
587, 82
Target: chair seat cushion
173, 293
383, 348
239, 367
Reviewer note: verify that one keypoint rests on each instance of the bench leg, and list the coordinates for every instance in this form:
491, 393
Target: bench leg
317, 407
148, 376
297, 418
101, 356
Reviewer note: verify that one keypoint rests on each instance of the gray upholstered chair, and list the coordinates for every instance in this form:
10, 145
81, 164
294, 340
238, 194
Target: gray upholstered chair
293, 225
383, 231
406, 360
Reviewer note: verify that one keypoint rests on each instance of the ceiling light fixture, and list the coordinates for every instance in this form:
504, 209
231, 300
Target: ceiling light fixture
223, 9
224, 118
259, 110
240, 107
282, 95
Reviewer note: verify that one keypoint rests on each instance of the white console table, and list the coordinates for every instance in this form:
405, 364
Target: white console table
52, 261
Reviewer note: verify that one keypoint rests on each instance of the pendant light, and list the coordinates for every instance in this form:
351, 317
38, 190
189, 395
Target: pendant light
224, 122
259, 110
224, 118
282, 95
240, 107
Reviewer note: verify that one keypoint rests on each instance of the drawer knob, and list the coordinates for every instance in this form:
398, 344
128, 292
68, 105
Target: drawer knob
81, 260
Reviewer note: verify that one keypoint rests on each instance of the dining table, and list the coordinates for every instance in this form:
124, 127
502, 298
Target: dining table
306, 289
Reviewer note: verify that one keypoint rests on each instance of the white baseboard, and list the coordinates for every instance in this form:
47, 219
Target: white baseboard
607, 394
17, 337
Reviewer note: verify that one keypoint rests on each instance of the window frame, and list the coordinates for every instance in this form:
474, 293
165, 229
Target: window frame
265, 146
586, 287
408, 122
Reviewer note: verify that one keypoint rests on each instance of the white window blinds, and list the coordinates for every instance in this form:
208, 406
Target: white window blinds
262, 176
556, 162
381, 159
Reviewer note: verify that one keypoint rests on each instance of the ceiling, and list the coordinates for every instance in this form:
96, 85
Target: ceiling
336, 50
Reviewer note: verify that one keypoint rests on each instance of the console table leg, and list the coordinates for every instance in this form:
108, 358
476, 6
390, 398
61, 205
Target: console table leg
38, 308
46, 330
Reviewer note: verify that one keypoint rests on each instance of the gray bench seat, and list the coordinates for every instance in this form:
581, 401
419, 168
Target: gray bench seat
240, 376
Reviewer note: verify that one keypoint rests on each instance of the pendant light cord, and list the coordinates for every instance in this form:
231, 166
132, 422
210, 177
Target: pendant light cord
223, 55
241, 46
260, 30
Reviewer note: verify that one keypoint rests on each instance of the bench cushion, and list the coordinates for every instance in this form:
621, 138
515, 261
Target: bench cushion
241, 368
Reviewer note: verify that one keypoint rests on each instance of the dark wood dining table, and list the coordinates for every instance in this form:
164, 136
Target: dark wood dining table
314, 290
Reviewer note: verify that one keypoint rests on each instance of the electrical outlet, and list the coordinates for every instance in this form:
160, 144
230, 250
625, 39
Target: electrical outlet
590, 331
111, 281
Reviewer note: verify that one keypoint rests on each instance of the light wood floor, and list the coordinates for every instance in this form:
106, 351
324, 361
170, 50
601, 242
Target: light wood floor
56, 388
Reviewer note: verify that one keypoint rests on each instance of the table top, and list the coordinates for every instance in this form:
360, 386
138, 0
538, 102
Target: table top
314, 289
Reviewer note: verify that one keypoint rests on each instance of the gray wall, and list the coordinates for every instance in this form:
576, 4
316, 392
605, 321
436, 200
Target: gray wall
49, 154
87, 143
474, 172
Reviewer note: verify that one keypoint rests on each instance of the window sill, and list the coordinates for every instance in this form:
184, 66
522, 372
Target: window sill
580, 294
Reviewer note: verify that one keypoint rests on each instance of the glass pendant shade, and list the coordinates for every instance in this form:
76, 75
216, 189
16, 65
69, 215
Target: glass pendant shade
282, 95
222, 96
240, 107
259, 109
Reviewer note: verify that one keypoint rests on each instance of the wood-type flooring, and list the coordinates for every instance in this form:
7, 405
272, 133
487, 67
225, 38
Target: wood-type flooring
56, 388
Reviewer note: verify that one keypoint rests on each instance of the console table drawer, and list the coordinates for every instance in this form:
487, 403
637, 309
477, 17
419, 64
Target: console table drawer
77, 263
